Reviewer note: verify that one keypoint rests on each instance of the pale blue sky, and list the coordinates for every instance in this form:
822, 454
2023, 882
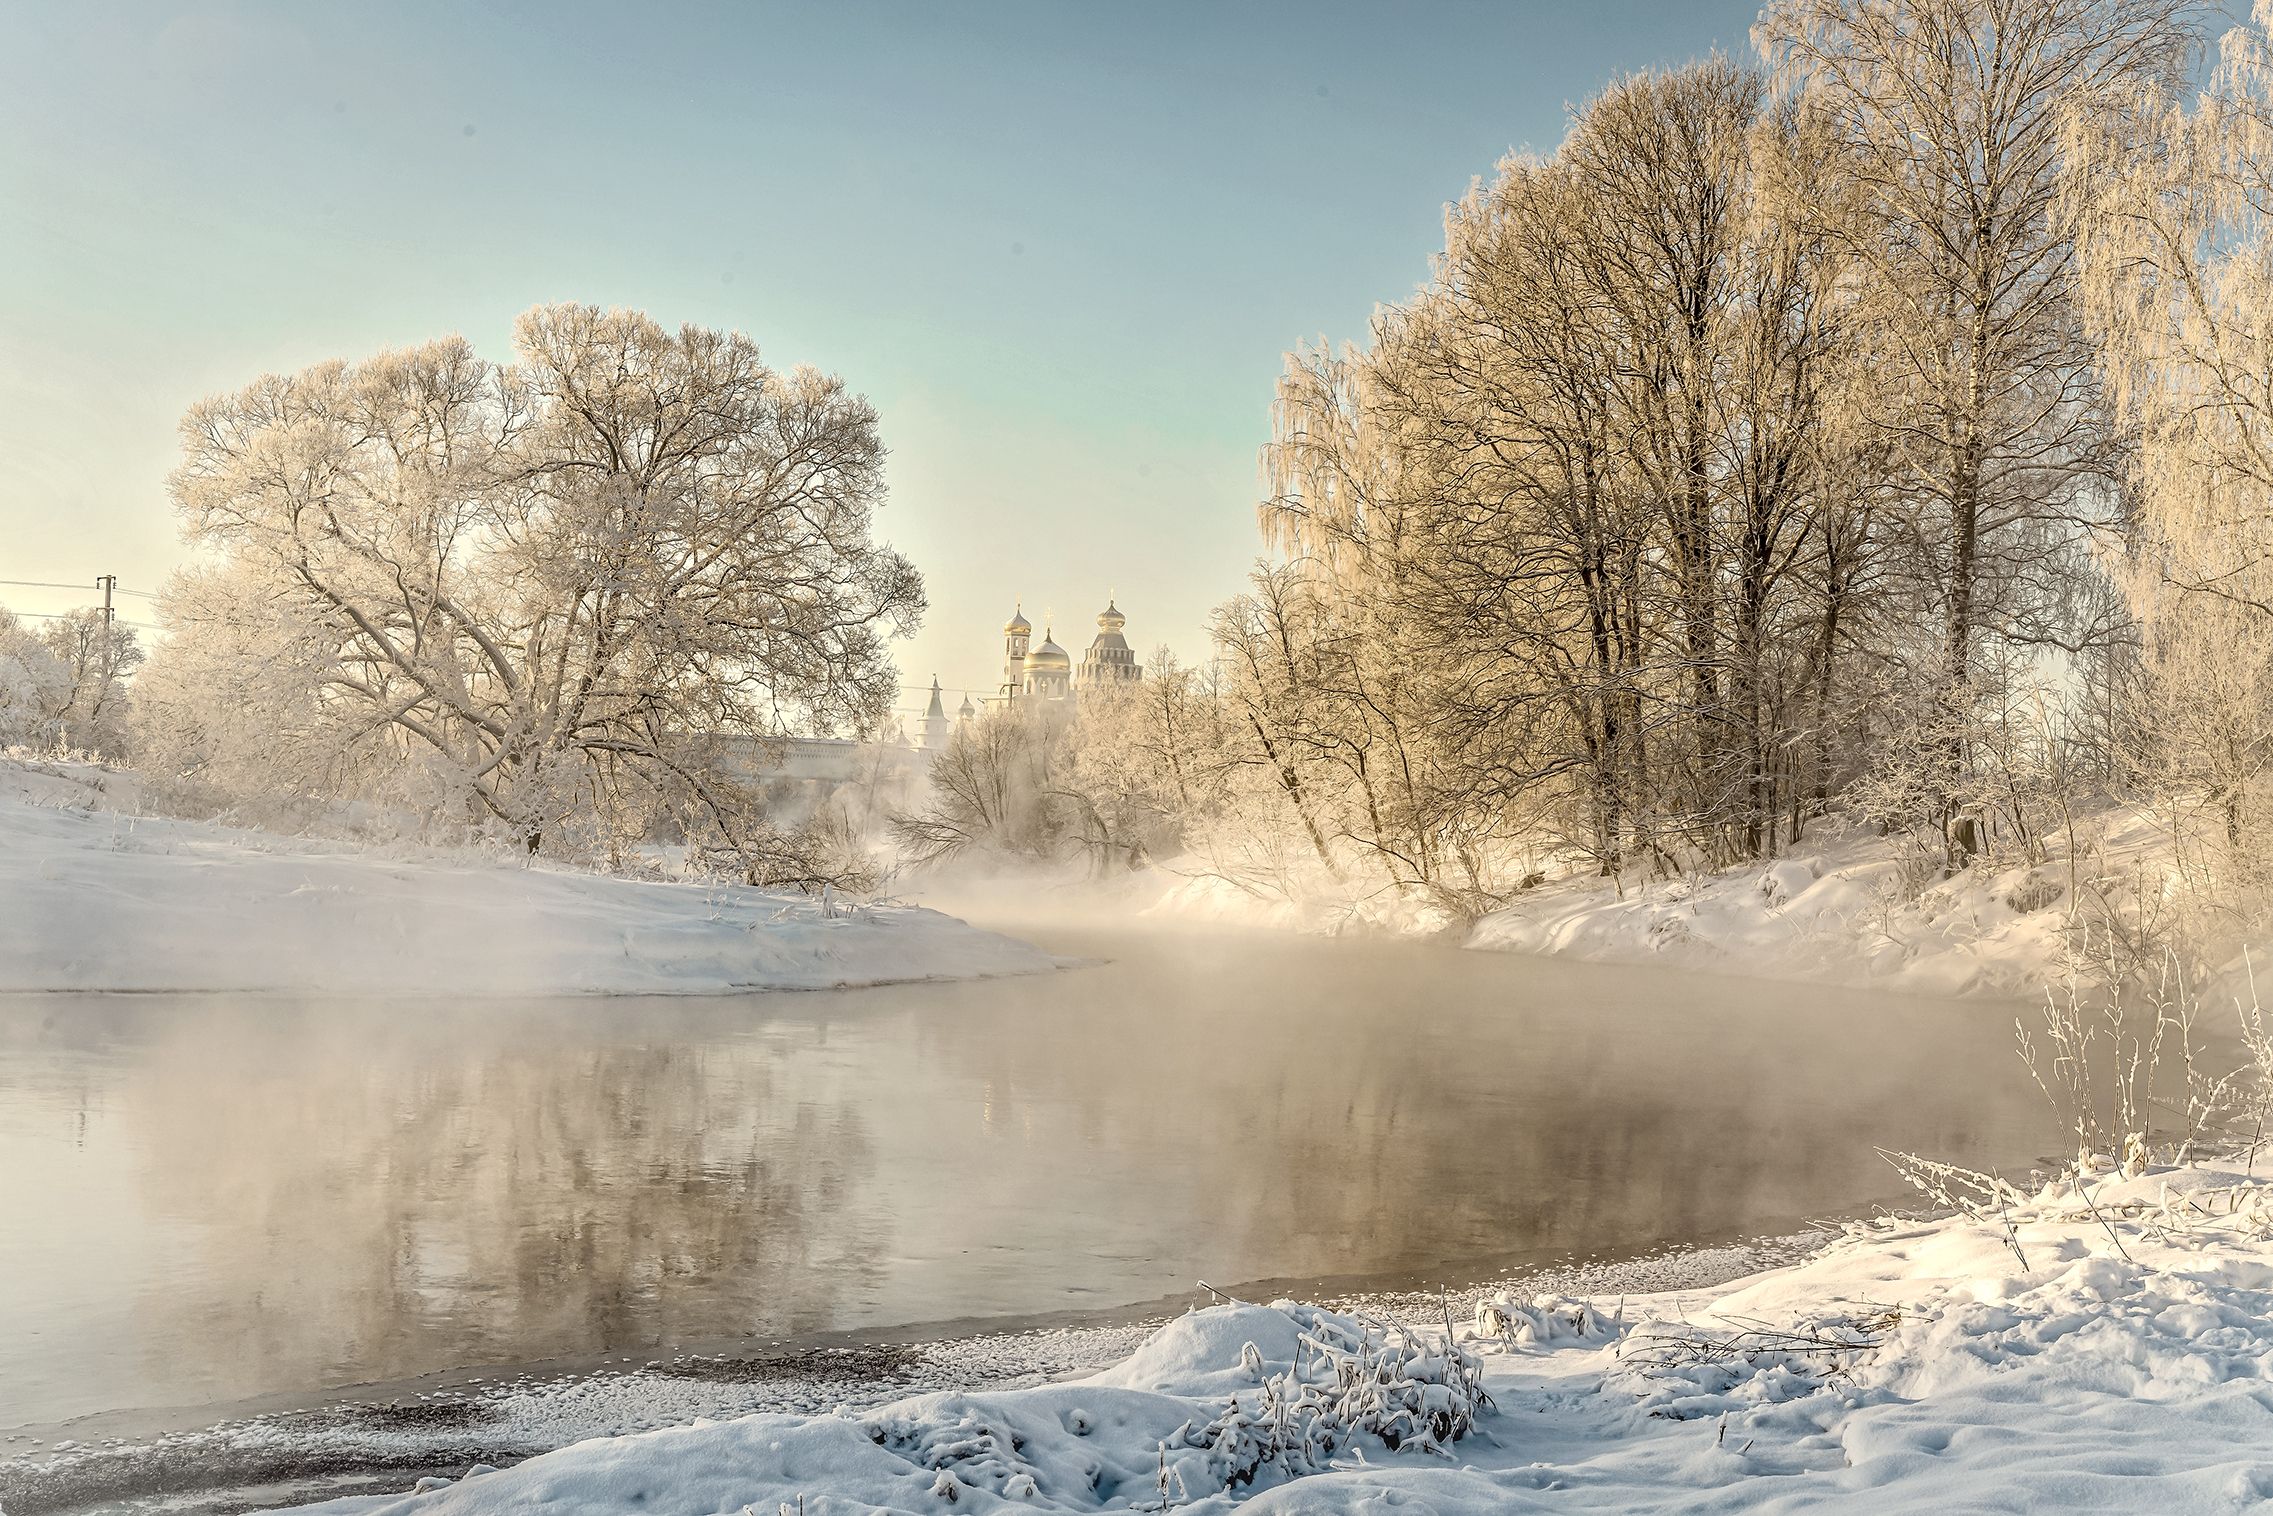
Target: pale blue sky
1061, 246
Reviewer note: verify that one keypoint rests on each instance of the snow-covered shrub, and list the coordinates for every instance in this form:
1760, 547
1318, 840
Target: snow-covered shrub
993, 790
1670, 930
1784, 1360
1352, 1377
1544, 1319
968, 1453
2033, 891
1781, 881
1986, 770
2106, 1059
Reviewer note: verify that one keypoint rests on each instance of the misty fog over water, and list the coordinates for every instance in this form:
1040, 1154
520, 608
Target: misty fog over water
242, 1198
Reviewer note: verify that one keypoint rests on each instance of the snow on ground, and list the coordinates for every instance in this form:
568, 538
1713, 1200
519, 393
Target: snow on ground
1848, 911
2107, 1348
96, 897
384, 1439
1847, 908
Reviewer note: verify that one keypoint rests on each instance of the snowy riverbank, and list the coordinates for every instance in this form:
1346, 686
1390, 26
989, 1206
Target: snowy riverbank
1845, 908
382, 1439
2111, 1351
96, 897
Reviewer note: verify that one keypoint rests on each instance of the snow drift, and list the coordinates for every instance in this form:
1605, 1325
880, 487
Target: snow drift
1852, 908
100, 899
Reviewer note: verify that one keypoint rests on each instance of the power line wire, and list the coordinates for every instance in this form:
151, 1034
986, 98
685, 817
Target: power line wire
44, 584
148, 626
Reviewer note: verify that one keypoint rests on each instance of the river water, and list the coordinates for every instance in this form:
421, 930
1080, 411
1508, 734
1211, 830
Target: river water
207, 1200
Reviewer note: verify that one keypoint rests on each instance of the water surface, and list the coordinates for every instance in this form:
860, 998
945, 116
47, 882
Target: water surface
204, 1200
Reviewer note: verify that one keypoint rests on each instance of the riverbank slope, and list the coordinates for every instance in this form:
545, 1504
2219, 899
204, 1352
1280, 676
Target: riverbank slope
2099, 1348
95, 896
1848, 907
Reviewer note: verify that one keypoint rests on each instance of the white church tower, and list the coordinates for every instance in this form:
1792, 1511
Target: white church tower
1044, 672
1015, 634
935, 727
1110, 659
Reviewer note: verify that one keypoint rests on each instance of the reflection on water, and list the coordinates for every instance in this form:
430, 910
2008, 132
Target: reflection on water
209, 1200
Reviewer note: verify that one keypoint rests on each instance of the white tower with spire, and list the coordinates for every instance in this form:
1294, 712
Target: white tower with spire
935, 727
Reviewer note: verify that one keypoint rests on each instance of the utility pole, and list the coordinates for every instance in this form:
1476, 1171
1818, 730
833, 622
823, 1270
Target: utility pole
109, 665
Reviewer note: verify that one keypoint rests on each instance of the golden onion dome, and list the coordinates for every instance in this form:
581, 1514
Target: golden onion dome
1048, 656
1017, 624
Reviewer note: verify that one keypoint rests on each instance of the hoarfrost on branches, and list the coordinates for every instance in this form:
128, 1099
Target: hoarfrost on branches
550, 594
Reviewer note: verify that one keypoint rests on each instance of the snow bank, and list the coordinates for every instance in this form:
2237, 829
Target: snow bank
1845, 913
1847, 910
93, 897
2110, 1350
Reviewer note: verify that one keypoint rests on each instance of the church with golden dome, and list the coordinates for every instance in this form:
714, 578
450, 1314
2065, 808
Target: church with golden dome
1044, 671
1042, 676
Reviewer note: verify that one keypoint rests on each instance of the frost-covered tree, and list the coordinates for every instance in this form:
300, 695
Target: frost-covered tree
990, 791
98, 654
1276, 643
232, 711
1127, 774
1663, 161
2171, 201
556, 587
1140, 770
1949, 116
66, 684
1745, 458
1332, 669
1583, 502
1800, 483
34, 685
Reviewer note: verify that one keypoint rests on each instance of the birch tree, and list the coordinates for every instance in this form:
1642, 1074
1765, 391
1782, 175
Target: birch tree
2171, 204
1950, 115
1662, 158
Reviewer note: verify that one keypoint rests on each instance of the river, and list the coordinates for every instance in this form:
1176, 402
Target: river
211, 1200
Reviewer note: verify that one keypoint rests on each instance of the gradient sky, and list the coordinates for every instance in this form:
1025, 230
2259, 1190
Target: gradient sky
1062, 247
